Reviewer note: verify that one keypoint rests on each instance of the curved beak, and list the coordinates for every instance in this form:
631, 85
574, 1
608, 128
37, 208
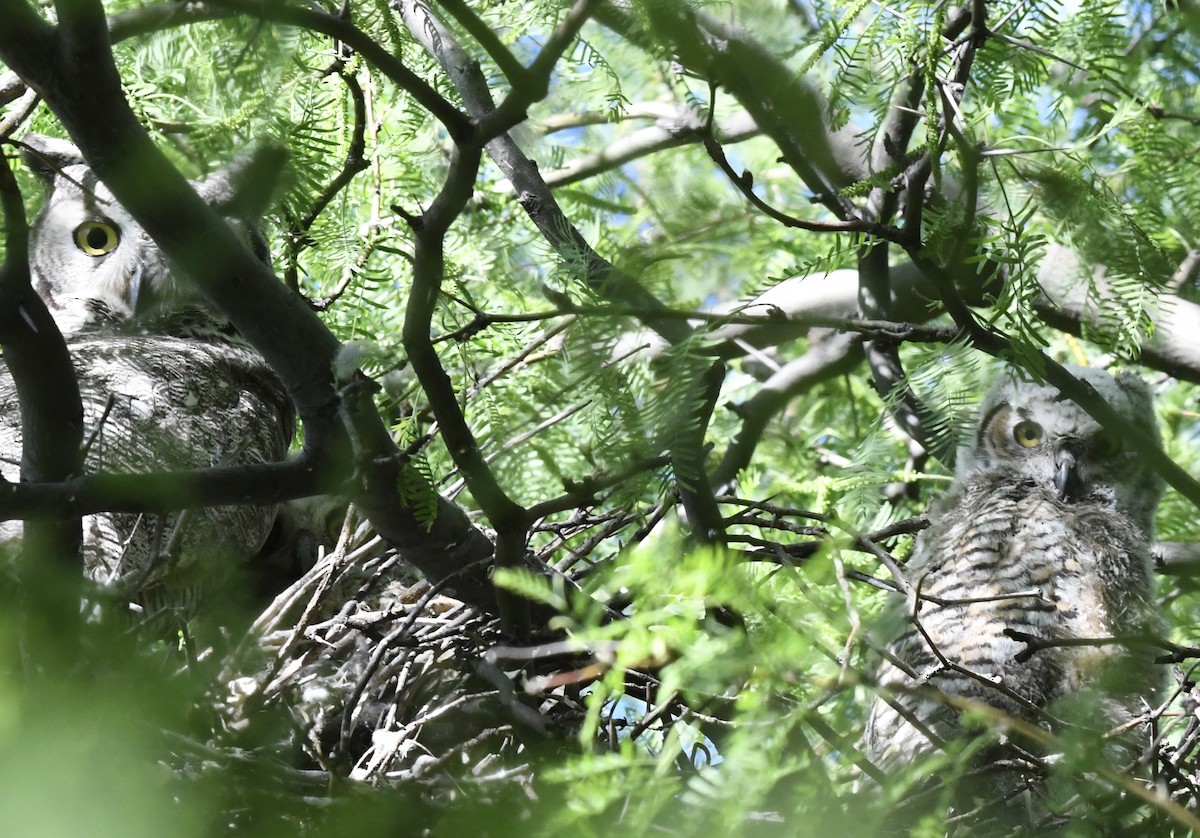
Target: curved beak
1066, 475
140, 296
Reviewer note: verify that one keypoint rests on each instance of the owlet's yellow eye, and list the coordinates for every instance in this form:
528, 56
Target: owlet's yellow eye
95, 238
1027, 434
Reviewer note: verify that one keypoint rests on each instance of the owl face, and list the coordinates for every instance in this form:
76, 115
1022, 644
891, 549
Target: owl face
89, 260
1033, 433
93, 264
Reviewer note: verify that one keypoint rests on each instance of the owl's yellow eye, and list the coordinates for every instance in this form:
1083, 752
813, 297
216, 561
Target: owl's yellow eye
95, 238
1027, 434
1107, 445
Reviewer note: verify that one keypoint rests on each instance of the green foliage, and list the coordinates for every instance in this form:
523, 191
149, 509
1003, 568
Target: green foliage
784, 659
1077, 126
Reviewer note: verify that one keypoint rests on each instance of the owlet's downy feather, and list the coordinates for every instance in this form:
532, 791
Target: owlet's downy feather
1046, 530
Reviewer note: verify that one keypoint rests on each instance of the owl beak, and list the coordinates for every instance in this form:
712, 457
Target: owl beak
138, 298
1066, 474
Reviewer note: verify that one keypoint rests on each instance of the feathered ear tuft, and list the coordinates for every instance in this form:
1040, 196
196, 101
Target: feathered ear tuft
47, 156
247, 186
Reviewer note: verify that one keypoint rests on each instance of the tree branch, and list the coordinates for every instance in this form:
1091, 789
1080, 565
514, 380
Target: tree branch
355, 161
1067, 304
51, 415
533, 194
787, 109
827, 357
682, 128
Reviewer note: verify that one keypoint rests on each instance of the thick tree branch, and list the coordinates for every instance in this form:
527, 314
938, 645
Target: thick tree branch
52, 415
486, 37
428, 272
51, 408
874, 296
1067, 303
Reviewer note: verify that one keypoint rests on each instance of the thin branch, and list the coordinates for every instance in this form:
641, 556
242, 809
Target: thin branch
428, 271
355, 161
557, 44
885, 558
532, 192
678, 130
745, 184
584, 492
486, 37
21, 112
768, 89
1035, 644
958, 669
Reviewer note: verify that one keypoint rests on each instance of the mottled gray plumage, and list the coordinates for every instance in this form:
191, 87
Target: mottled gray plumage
1046, 530
165, 382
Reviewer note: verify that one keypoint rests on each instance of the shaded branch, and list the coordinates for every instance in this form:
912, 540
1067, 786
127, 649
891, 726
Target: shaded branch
429, 232
40, 366
483, 34
163, 492
52, 420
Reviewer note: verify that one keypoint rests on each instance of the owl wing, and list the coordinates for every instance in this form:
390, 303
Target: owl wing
156, 403
978, 574
1016, 558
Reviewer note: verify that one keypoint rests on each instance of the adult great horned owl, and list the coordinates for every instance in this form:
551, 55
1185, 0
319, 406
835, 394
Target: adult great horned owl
165, 383
1045, 531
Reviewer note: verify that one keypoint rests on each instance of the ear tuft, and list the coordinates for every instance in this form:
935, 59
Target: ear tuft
248, 184
47, 156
